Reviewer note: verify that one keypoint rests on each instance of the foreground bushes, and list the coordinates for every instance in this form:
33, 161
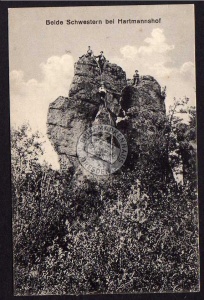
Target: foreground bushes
119, 238
70, 241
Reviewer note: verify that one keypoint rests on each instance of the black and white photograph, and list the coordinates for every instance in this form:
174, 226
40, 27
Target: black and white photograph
103, 150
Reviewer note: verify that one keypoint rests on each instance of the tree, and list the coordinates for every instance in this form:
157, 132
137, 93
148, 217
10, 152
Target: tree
135, 233
181, 140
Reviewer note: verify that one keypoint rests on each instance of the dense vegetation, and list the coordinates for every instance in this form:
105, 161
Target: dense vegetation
127, 237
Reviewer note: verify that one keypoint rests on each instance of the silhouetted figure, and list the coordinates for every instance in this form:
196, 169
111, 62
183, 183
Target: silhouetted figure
136, 78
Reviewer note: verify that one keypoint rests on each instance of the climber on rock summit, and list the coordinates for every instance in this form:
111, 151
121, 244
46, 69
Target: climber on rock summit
101, 60
89, 52
136, 78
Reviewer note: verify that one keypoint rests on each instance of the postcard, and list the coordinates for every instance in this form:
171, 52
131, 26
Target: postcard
103, 150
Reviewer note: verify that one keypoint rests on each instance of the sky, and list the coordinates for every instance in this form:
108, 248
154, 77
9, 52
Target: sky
42, 57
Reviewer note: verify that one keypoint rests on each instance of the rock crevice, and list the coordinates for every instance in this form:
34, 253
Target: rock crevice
137, 111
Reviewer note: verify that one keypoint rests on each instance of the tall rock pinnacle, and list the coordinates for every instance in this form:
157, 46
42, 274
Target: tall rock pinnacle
136, 111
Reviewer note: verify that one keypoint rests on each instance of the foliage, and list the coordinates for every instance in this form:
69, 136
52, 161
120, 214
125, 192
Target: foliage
126, 236
181, 140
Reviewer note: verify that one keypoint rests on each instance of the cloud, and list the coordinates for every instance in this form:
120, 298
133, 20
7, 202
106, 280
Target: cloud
153, 55
129, 52
156, 57
155, 44
29, 100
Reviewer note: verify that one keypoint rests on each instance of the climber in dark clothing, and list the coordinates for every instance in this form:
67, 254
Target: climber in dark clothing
136, 78
101, 60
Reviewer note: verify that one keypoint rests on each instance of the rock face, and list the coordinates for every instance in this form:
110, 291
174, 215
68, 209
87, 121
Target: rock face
137, 111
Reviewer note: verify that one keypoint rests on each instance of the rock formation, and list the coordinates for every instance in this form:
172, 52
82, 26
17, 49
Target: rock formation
137, 111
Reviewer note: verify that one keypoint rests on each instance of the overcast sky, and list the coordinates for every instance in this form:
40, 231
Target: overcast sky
41, 70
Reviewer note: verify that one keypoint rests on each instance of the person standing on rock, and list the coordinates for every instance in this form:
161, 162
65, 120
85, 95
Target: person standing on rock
136, 78
101, 60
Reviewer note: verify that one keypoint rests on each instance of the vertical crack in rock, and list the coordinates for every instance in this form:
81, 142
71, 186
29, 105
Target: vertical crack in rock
137, 111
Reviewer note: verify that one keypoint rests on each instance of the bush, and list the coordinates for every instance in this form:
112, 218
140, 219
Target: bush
126, 236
